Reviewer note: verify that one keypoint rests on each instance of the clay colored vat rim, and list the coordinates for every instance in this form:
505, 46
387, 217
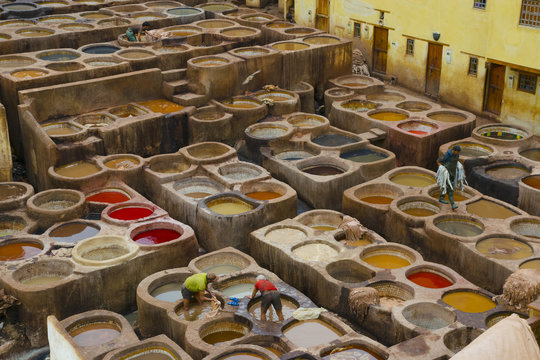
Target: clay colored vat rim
6, 6
284, 226
472, 219
389, 249
42, 54
52, 171
58, 66
247, 28
75, 196
515, 224
343, 92
304, 46
198, 11
231, 168
268, 17
379, 350
428, 307
45, 246
348, 264
18, 21
101, 318
157, 15
220, 258
209, 4
76, 26
93, 243
416, 202
121, 53
405, 103
24, 270
406, 291
311, 241
296, 29
44, 3
58, 16
388, 93
206, 21
238, 52
410, 170
252, 128
324, 36
392, 190
30, 61
118, 20
199, 61
342, 104
28, 190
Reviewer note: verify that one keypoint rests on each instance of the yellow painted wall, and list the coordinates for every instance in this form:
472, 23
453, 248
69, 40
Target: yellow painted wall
493, 33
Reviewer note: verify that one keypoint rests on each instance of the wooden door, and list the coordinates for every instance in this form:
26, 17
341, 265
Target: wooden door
433, 69
494, 88
380, 49
321, 20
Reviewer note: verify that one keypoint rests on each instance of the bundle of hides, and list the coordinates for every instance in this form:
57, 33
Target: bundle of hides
521, 288
359, 63
443, 179
360, 299
216, 306
307, 313
353, 229
7, 301
157, 34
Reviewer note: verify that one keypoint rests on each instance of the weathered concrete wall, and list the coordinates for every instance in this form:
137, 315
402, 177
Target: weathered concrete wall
5, 148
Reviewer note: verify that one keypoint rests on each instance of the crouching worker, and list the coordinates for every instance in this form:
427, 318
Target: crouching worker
195, 287
269, 295
134, 33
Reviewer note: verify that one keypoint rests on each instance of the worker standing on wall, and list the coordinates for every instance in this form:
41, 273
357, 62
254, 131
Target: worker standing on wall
195, 287
269, 295
447, 174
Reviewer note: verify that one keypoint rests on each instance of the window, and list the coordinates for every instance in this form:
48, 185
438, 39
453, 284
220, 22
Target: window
480, 4
530, 13
527, 83
357, 29
473, 66
410, 47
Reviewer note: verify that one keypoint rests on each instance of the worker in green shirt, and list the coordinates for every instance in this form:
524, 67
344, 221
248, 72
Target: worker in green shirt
195, 286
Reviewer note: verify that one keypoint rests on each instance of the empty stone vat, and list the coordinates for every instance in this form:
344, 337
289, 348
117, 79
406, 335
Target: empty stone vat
457, 339
349, 271
21, 248
221, 262
105, 250
392, 293
285, 235
468, 301
69, 233
388, 256
428, 315
51, 206
316, 250
430, 277
309, 333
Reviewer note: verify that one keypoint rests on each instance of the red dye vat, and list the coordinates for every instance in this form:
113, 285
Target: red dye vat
429, 280
108, 197
131, 213
156, 236
418, 132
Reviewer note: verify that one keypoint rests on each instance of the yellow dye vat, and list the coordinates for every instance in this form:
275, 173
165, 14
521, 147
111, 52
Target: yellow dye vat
412, 179
468, 301
229, 206
162, 106
504, 248
387, 261
388, 116
28, 74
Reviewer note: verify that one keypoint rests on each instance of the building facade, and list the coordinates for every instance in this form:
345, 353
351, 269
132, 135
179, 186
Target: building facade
480, 55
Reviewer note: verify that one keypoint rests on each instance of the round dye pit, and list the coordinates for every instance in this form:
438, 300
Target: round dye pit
195, 311
267, 132
293, 155
258, 18
392, 294
388, 116
217, 7
428, 315
60, 129
113, 22
242, 356
315, 251
56, 204
10, 192
109, 196
531, 264
241, 32
16, 23
531, 154
96, 15
321, 40
419, 208
135, 54
290, 46
311, 333
78, 169
263, 195
348, 271
333, 140
67, 66
199, 191
57, 19
377, 199
220, 337
495, 318
532, 181
162, 106
104, 250
507, 172
447, 117
94, 333
127, 111
324, 227
289, 306
458, 195
363, 155
489, 209
101, 49
359, 105
73, 232
185, 31
215, 24
211, 62
122, 163
306, 121
94, 120
41, 32
229, 206
58, 55
171, 49
242, 103
385, 96
504, 248
352, 352
414, 106
238, 290
237, 172
249, 51
413, 179
457, 339
526, 227
15, 61
19, 6
52, 3
207, 151
469, 301
42, 280
417, 128
156, 236
130, 213
76, 27
170, 167
460, 227
19, 250
28, 74
386, 261
279, 25
323, 170
430, 278
222, 269
503, 133
286, 235
300, 31
171, 292
102, 62
10, 225
186, 11
474, 150
275, 96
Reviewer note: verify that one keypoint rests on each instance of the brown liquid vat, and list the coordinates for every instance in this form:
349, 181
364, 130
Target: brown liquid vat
208, 152
14, 194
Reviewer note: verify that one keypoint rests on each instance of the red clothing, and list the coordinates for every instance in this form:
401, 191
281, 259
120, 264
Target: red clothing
264, 285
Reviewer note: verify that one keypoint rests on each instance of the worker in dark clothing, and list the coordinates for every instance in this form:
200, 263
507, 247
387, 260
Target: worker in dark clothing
450, 161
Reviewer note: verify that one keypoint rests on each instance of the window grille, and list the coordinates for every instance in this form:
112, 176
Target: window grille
480, 4
530, 13
473, 66
410, 47
527, 83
